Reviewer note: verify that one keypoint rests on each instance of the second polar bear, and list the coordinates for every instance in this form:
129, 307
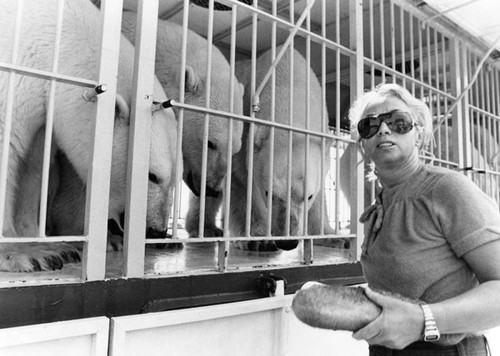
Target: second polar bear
168, 70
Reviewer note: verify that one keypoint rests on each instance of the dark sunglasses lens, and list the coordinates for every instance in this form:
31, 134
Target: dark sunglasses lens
368, 127
400, 122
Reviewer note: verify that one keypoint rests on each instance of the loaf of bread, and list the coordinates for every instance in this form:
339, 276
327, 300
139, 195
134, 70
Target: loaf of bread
334, 307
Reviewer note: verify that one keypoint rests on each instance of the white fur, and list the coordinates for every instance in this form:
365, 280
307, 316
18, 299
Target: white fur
73, 115
303, 197
168, 66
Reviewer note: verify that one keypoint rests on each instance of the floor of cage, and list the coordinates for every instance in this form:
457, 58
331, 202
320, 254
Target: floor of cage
192, 257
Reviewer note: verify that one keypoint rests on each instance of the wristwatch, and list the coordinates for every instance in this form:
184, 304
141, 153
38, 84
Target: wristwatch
431, 332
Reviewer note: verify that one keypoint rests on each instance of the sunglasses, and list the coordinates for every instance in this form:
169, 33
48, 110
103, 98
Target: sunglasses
398, 121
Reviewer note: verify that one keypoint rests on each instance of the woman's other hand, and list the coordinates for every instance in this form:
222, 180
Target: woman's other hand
400, 323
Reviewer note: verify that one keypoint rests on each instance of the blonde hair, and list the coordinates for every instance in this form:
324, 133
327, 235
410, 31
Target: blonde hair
418, 109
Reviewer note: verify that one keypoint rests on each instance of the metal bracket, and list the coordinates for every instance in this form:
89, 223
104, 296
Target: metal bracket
157, 106
272, 285
91, 94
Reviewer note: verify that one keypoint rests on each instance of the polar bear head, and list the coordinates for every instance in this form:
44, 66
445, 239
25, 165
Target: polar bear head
287, 168
161, 170
223, 139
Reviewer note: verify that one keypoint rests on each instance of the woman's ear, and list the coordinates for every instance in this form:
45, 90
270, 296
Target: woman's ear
419, 136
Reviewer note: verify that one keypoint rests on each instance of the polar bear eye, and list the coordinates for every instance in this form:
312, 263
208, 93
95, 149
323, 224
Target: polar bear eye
211, 145
153, 178
310, 197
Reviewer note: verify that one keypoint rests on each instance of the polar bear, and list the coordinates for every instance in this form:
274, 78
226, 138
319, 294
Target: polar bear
303, 168
168, 66
72, 118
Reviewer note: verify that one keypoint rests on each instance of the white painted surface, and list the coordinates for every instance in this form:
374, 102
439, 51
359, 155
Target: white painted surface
259, 327
85, 337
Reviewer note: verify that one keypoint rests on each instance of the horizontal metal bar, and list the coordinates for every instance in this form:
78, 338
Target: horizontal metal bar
484, 112
247, 238
51, 239
257, 121
43, 74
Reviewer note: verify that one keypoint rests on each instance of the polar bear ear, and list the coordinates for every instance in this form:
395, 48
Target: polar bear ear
193, 82
122, 111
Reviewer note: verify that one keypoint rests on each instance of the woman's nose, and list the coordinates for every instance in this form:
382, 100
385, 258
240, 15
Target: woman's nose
383, 129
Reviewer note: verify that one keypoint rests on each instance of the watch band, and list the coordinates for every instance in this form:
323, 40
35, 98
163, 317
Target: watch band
431, 332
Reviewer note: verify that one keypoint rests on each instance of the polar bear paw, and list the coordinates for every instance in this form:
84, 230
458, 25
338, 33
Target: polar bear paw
32, 257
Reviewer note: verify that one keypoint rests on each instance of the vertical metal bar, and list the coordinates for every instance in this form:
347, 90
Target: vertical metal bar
7, 126
497, 91
139, 144
96, 217
356, 80
489, 134
445, 89
372, 43
271, 129
382, 39
436, 61
180, 121
402, 39
429, 75
429, 57
337, 118
251, 129
474, 114
496, 136
223, 246
206, 122
324, 120
421, 58
455, 88
437, 105
412, 53
484, 135
290, 132
308, 246
49, 124
467, 140
393, 39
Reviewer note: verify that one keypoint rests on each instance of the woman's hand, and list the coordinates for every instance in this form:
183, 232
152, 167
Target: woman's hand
400, 323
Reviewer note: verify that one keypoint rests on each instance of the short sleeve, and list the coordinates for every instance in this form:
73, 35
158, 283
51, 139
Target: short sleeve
467, 216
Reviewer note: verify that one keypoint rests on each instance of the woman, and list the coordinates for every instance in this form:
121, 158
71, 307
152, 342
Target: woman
433, 236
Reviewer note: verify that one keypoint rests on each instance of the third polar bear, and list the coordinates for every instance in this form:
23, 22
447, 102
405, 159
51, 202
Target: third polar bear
273, 145
72, 114
168, 70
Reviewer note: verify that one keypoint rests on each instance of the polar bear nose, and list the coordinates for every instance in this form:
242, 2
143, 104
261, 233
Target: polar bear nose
212, 192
